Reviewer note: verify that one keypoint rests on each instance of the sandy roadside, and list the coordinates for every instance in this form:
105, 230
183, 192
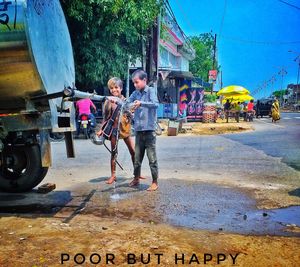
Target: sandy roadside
40, 242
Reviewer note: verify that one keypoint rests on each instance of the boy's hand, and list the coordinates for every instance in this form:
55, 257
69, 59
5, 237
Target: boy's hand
136, 104
99, 132
113, 99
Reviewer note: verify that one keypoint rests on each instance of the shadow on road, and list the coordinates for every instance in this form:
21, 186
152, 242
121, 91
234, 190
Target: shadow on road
33, 202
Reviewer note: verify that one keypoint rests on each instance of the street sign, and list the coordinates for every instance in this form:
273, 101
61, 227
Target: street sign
212, 76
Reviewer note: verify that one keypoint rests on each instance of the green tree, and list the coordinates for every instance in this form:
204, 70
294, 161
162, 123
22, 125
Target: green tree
203, 45
105, 33
279, 93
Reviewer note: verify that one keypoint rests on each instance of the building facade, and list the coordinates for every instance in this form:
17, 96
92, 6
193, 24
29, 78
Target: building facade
175, 53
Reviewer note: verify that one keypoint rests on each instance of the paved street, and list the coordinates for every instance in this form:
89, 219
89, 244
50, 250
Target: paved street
264, 162
278, 140
265, 158
230, 183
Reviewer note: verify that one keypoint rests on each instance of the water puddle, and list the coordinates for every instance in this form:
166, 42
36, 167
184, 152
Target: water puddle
225, 209
115, 197
198, 206
290, 215
117, 194
180, 203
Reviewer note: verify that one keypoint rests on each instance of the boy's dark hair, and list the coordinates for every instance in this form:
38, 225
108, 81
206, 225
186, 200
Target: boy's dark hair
140, 74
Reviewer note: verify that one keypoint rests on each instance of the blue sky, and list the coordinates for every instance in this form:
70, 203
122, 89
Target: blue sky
253, 38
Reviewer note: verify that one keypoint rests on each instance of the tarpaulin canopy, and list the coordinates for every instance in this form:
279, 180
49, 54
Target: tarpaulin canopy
238, 98
233, 90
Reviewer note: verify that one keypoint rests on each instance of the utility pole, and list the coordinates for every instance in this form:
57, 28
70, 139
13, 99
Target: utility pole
297, 84
149, 54
142, 55
214, 59
282, 72
152, 52
214, 49
273, 79
221, 79
156, 40
128, 78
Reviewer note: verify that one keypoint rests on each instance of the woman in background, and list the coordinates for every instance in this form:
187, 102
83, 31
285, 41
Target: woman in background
275, 111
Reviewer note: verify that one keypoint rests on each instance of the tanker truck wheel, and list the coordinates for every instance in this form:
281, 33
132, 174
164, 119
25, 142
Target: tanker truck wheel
21, 169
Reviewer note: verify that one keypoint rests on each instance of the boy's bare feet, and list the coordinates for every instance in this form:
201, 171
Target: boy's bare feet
141, 177
153, 187
135, 181
111, 180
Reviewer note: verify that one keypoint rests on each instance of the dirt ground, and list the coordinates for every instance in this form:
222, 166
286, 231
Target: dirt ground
42, 241
220, 127
114, 229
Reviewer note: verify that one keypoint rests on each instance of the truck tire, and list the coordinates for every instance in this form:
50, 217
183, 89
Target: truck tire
22, 168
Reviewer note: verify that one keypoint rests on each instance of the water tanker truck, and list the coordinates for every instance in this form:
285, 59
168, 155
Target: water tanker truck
36, 68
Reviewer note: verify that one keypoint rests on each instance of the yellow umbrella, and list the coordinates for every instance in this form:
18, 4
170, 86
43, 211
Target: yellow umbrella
238, 98
233, 90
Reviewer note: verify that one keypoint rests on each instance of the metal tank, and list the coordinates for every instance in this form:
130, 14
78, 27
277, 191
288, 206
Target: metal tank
36, 65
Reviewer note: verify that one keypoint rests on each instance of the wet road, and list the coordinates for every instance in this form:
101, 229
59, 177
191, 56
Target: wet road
216, 183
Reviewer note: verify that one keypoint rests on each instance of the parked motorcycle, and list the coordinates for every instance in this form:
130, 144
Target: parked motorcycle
85, 124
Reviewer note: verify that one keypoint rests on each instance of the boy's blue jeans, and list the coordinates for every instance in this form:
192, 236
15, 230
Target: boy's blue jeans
145, 141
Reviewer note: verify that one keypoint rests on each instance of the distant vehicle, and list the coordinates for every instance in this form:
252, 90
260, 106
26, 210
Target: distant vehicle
85, 125
263, 107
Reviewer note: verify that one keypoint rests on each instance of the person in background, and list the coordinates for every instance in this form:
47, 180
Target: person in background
84, 106
275, 111
250, 106
250, 110
167, 98
244, 111
227, 105
238, 109
242, 106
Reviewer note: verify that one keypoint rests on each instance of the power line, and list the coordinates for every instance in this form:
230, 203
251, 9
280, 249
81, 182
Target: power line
289, 4
266, 84
223, 17
258, 42
169, 8
185, 16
